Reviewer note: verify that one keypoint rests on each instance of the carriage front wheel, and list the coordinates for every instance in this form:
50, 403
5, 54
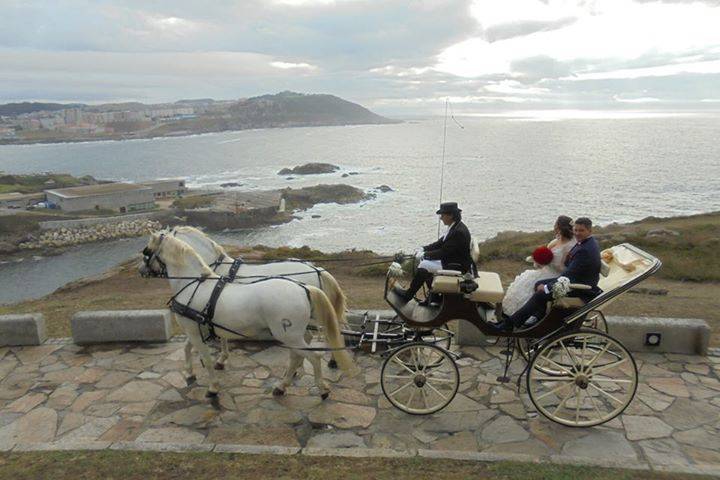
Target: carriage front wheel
595, 378
420, 378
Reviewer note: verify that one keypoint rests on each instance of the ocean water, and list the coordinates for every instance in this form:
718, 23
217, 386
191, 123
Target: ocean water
506, 172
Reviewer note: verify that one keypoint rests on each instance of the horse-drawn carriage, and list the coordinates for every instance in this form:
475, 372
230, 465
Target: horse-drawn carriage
577, 374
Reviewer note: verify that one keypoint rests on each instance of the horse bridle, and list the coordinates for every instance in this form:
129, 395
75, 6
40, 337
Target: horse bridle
149, 255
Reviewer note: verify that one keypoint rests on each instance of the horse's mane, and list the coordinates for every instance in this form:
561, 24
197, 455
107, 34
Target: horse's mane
219, 250
178, 252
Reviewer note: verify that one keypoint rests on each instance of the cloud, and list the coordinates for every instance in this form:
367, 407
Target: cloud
522, 28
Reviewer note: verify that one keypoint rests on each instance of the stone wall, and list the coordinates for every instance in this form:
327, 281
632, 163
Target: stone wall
86, 222
63, 237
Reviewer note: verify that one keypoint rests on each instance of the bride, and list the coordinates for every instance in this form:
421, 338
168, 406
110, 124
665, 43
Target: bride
521, 289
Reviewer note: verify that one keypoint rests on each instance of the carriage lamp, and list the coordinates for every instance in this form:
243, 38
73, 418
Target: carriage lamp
653, 339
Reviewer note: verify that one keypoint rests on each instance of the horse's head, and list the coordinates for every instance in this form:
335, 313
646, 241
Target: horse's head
153, 265
209, 250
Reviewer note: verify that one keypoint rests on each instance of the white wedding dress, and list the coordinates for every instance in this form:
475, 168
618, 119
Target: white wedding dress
522, 288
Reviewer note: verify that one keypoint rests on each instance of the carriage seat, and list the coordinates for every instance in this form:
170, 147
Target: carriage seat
489, 288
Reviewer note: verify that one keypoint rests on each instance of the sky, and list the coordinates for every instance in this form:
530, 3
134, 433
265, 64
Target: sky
397, 57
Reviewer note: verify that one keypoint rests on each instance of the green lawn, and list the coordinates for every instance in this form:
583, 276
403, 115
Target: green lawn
154, 465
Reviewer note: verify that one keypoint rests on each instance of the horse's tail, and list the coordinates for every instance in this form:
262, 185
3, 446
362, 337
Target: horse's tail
324, 312
335, 294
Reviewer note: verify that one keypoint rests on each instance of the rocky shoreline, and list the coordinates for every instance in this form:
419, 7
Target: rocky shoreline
67, 237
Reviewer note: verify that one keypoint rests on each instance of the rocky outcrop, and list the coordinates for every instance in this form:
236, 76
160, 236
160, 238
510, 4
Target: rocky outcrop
310, 169
64, 237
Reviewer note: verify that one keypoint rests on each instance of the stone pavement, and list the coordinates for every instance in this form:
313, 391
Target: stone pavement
60, 395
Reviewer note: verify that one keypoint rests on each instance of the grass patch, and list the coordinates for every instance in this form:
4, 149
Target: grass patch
121, 465
195, 201
40, 182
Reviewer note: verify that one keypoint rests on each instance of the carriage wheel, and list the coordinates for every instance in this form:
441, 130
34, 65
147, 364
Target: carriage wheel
419, 378
598, 380
594, 320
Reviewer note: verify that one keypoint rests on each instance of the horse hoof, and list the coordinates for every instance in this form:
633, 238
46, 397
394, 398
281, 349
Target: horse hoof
219, 366
332, 364
278, 392
325, 395
190, 379
210, 394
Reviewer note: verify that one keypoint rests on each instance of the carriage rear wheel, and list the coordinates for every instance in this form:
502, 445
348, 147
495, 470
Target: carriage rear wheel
594, 320
420, 378
597, 378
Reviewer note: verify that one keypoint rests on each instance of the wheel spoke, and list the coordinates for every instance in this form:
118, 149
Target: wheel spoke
553, 362
553, 379
595, 358
432, 387
594, 404
424, 397
439, 379
562, 403
577, 404
397, 360
572, 356
400, 389
412, 397
609, 366
399, 377
612, 397
604, 379
554, 390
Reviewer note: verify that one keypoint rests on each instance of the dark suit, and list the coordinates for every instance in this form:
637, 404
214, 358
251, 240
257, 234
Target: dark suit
454, 248
582, 265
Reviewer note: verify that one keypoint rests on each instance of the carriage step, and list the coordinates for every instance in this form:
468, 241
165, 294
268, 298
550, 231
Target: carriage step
502, 379
506, 352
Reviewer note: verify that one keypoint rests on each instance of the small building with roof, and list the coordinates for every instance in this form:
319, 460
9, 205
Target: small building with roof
120, 197
169, 188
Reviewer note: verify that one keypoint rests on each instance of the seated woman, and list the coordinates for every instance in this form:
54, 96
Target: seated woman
452, 249
522, 288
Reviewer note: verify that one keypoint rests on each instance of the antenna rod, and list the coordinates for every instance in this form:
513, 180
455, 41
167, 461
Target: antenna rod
442, 165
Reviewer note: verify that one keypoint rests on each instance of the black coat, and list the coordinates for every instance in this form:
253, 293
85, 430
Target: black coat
455, 248
583, 265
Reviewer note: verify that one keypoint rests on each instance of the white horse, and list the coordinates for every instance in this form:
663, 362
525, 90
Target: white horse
215, 255
281, 306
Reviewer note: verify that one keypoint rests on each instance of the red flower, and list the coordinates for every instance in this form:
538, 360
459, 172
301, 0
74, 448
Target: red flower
542, 255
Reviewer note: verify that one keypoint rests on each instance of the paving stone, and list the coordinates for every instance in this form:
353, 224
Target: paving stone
684, 414
503, 430
7, 418
148, 375
61, 446
171, 435
26, 403
251, 435
39, 425
274, 417
114, 379
644, 428
702, 455
256, 449
649, 370
102, 409
137, 408
294, 402
197, 414
503, 395
28, 355
271, 357
451, 422
136, 391
515, 410
356, 452
62, 397
64, 375
700, 369
343, 415
601, 445
123, 431
86, 399
92, 429
461, 403
71, 421
462, 441
171, 395
175, 379
672, 386
664, 451
336, 440
532, 447
702, 437
349, 396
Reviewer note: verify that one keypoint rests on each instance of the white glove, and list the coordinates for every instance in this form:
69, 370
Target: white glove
419, 254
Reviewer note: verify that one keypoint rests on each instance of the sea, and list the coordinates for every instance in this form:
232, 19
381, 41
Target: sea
515, 171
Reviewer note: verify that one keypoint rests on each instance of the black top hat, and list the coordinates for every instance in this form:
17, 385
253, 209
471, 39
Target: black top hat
448, 207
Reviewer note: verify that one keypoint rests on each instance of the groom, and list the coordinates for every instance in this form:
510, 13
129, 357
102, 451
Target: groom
582, 265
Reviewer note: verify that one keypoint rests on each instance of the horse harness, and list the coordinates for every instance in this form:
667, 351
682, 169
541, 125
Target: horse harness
204, 317
234, 266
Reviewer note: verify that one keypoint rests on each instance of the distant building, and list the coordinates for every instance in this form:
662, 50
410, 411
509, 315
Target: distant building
166, 188
121, 197
20, 200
